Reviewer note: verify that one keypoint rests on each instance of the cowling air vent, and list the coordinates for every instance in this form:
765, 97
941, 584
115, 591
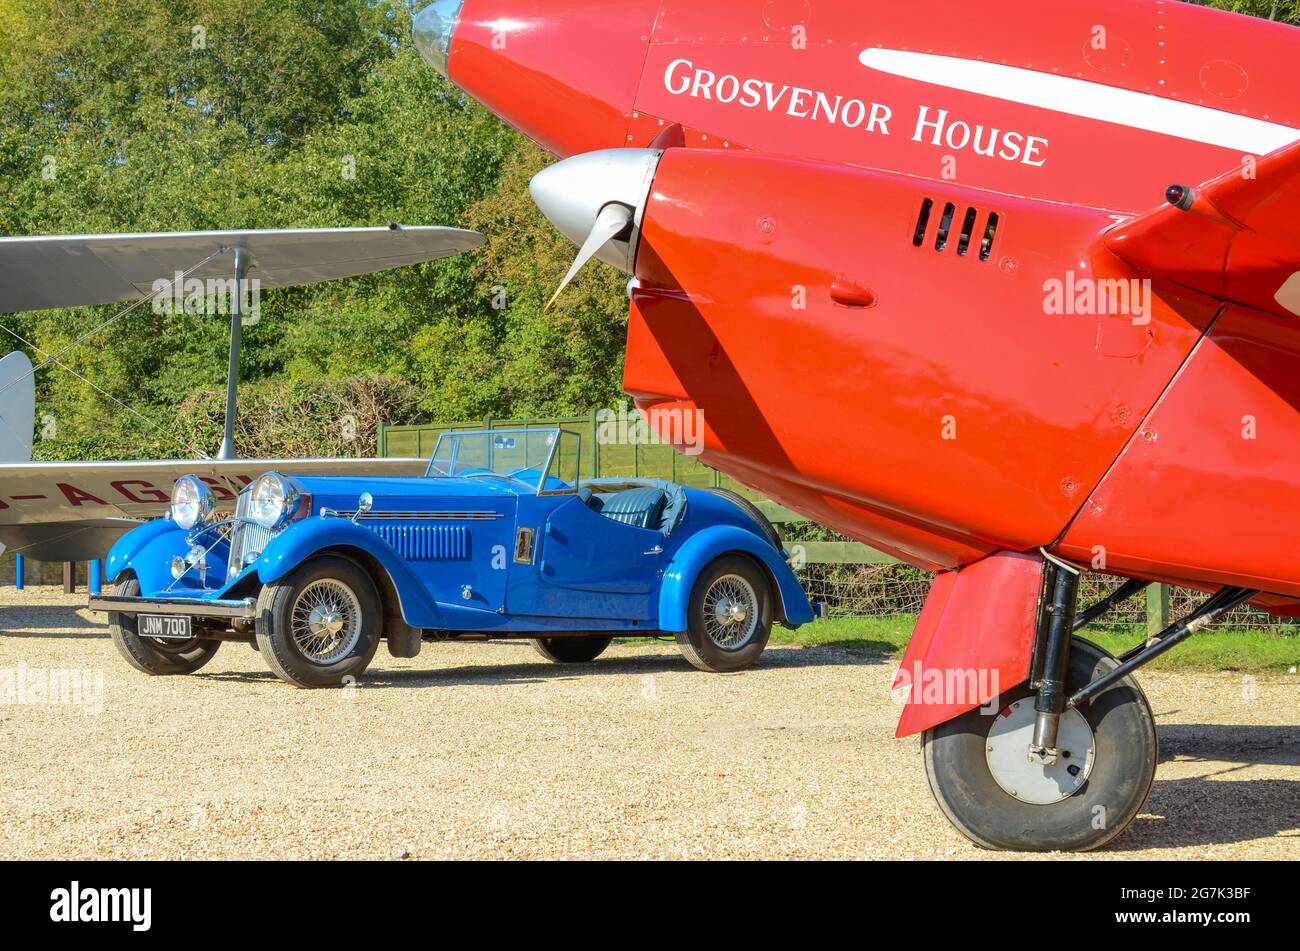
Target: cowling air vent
954, 230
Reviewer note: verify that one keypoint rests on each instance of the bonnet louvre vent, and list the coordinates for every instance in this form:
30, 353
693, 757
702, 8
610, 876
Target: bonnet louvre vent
425, 542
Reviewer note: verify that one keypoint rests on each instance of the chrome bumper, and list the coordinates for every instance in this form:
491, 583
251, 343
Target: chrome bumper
193, 607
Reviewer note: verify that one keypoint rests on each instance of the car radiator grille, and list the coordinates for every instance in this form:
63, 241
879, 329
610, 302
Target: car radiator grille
246, 537
425, 542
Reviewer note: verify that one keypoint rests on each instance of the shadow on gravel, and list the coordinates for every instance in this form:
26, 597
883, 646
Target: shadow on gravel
50, 620
1216, 809
541, 671
1207, 811
858, 651
1262, 745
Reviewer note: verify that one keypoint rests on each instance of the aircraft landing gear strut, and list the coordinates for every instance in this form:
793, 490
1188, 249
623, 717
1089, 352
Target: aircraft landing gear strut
1065, 760
1052, 655
1213, 608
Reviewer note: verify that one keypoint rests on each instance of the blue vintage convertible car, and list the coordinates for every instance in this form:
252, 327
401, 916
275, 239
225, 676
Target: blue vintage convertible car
498, 539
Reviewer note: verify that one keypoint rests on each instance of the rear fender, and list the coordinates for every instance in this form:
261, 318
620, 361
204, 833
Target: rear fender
301, 540
701, 548
973, 641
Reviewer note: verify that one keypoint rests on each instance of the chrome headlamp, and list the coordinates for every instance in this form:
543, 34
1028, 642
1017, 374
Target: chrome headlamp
192, 503
272, 500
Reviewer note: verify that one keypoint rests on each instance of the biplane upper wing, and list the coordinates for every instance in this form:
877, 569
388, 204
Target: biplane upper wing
1235, 237
45, 271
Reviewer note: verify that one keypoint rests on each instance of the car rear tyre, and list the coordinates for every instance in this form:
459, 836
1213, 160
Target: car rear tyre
571, 650
152, 655
729, 618
321, 624
980, 775
752, 510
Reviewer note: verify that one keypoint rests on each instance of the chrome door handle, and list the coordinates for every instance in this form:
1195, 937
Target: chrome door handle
657, 550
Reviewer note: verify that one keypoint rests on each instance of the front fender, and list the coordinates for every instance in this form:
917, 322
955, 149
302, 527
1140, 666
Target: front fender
147, 550
301, 540
702, 548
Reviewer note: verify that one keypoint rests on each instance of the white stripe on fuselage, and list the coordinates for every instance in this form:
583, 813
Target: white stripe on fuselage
1078, 97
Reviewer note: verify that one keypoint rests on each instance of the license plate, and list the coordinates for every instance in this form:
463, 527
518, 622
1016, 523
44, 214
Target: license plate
170, 627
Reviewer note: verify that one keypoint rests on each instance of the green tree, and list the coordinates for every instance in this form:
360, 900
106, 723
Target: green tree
146, 116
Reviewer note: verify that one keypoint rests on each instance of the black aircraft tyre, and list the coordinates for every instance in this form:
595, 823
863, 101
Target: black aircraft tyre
979, 773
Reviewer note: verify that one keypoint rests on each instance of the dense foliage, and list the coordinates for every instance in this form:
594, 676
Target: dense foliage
136, 115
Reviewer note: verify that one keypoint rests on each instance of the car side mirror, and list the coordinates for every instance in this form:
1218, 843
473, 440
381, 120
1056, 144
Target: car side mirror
365, 503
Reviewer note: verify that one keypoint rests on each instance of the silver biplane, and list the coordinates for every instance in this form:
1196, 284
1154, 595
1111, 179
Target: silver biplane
74, 511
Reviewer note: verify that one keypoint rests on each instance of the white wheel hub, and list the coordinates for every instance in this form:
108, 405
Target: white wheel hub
1028, 778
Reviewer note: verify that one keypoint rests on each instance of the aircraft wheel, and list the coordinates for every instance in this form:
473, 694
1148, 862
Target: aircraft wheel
982, 778
570, 649
729, 618
320, 624
153, 655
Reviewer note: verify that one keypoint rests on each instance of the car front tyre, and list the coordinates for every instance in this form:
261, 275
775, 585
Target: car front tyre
320, 624
982, 779
729, 618
571, 649
152, 655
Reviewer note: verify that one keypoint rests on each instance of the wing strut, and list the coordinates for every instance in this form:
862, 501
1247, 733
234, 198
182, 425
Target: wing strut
227, 450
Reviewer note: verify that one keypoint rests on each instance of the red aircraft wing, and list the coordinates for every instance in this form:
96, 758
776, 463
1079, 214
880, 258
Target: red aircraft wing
1236, 237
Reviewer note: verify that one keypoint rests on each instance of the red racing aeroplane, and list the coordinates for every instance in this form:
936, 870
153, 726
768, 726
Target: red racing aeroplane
1009, 291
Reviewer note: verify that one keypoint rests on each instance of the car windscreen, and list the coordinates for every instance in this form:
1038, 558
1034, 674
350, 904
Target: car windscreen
518, 456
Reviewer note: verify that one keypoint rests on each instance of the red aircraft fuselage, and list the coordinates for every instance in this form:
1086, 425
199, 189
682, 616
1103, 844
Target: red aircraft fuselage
870, 267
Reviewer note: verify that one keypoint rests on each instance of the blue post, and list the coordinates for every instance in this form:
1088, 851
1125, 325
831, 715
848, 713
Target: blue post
18, 571
93, 576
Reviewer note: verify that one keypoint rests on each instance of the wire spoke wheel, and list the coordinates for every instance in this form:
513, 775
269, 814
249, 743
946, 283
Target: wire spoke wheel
730, 612
325, 621
321, 623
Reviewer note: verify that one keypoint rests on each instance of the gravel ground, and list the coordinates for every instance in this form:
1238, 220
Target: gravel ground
481, 750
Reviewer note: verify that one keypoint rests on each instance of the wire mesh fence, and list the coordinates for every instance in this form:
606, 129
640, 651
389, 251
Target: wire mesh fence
890, 589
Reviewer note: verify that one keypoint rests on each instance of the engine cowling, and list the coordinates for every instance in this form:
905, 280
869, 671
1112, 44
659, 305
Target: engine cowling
878, 352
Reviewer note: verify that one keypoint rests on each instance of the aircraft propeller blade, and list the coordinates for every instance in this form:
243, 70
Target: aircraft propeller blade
612, 220
595, 200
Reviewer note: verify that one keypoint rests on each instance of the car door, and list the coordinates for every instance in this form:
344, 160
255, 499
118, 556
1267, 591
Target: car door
590, 566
